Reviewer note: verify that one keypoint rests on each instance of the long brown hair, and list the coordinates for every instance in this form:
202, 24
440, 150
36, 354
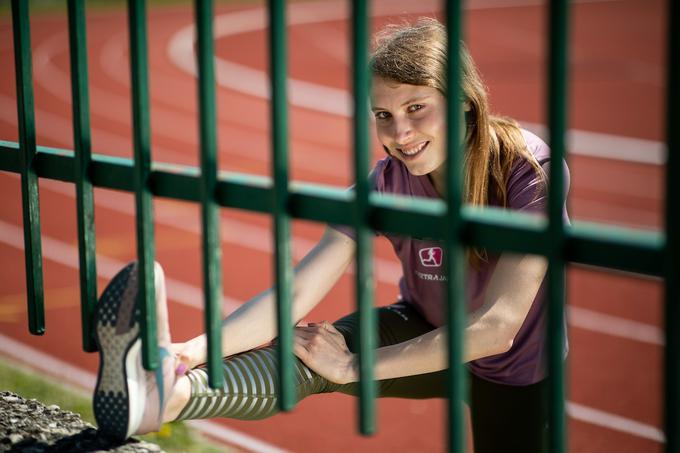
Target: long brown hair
416, 54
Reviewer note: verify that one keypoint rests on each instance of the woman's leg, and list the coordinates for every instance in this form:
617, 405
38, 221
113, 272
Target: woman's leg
397, 323
507, 417
251, 379
250, 383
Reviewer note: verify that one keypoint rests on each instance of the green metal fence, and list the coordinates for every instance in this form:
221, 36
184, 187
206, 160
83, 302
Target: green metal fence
457, 225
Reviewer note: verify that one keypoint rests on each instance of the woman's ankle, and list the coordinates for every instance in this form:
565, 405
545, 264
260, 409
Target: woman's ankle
179, 399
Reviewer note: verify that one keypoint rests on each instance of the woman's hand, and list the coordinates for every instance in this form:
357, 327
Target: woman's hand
185, 357
323, 349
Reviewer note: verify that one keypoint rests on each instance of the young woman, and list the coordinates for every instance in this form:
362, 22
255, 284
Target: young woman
504, 338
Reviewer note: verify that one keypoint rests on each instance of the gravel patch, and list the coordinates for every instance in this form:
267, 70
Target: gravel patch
30, 426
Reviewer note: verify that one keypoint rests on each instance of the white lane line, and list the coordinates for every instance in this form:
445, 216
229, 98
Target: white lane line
84, 380
321, 98
260, 239
608, 146
249, 235
614, 422
58, 369
615, 326
67, 255
233, 437
59, 129
245, 142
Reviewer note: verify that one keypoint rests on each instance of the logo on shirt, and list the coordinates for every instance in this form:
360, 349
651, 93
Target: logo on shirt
431, 256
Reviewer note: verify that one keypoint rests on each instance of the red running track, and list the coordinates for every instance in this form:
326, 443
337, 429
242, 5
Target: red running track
617, 88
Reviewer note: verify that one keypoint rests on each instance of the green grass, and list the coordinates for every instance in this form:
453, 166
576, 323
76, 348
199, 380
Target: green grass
56, 6
173, 437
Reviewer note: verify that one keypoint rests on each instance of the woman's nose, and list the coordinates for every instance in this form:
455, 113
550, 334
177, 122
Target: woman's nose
403, 132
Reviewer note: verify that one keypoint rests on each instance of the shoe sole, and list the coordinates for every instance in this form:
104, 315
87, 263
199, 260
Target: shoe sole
120, 380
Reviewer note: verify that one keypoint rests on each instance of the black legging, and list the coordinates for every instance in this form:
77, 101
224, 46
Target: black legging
504, 418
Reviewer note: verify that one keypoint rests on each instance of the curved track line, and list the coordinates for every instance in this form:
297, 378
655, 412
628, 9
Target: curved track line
59, 129
111, 53
335, 101
67, 255
54, 80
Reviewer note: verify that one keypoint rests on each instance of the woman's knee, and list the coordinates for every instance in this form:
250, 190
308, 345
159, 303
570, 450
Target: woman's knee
397, 322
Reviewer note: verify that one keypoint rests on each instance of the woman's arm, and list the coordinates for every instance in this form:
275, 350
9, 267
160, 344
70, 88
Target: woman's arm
254, 323
490, 330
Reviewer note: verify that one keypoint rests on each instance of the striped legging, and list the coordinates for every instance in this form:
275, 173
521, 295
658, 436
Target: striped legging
251, 378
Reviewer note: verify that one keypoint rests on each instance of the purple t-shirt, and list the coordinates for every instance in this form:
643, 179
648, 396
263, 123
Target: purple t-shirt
423, 281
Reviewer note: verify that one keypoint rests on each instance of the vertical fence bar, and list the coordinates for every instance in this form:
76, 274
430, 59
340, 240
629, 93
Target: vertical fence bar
210, 213
139, 74
672, 277
557, 117
83, 157
455, 252
364, 236
29, 178
282, 257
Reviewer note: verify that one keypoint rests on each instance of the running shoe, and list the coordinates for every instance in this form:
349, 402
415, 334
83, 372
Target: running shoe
128, 399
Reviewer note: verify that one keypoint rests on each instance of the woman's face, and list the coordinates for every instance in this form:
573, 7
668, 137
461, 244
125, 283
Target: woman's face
411, 123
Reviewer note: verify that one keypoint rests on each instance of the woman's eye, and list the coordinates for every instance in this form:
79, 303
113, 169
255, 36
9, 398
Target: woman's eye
415, 107
381, 115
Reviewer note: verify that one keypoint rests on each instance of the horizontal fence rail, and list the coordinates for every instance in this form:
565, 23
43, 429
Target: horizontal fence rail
629, 250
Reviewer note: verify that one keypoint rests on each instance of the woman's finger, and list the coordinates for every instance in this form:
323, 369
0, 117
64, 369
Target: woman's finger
316, 335
300, 349
300, 333
307, 329
330, 328
335, 335
324, 332
323, 326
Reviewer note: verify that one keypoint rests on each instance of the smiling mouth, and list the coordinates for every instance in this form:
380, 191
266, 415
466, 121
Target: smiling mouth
412, 152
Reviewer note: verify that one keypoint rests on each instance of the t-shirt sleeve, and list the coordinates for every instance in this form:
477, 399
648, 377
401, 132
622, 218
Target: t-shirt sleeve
377, 178
527, 187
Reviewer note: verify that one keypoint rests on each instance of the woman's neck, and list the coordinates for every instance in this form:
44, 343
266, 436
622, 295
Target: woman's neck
438, 180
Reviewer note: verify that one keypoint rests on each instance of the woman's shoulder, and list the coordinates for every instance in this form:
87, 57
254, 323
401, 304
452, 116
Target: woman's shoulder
390, 175
536, 146
526, 186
